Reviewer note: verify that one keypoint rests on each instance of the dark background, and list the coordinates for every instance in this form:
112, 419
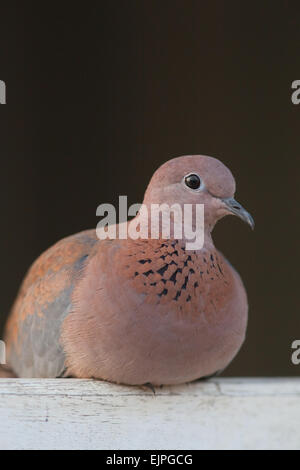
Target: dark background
99, 96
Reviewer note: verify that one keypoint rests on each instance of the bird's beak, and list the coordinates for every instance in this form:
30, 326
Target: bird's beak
235, 208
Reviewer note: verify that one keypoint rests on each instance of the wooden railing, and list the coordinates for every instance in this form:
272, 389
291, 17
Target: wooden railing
224, 413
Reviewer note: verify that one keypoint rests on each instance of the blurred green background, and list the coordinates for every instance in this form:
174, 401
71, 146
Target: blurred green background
99, 96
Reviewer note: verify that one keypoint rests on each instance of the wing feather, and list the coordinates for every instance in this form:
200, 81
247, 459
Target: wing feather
44, 300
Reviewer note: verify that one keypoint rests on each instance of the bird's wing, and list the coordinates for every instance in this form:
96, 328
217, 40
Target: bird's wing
44, 300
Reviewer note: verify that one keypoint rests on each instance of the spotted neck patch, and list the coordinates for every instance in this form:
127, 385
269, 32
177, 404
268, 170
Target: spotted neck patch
165, 272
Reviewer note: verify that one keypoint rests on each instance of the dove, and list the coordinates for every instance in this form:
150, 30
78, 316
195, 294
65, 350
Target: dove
136, 311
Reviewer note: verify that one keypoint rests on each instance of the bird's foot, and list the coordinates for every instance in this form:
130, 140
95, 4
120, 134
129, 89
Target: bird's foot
150, 386
206, 377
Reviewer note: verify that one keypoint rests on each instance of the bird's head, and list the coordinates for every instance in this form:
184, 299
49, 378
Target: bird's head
197, 179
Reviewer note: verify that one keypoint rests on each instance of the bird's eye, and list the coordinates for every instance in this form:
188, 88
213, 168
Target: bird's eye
192, 181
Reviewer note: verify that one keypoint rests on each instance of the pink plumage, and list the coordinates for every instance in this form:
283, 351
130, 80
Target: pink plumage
136, 311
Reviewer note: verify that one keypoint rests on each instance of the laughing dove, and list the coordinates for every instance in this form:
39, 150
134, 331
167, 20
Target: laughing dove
136, 311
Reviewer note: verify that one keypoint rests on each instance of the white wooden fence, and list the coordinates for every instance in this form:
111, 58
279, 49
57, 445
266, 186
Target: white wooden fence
222, 413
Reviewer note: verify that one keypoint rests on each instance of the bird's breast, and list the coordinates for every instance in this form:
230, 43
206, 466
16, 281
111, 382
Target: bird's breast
154, 312
171, 278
